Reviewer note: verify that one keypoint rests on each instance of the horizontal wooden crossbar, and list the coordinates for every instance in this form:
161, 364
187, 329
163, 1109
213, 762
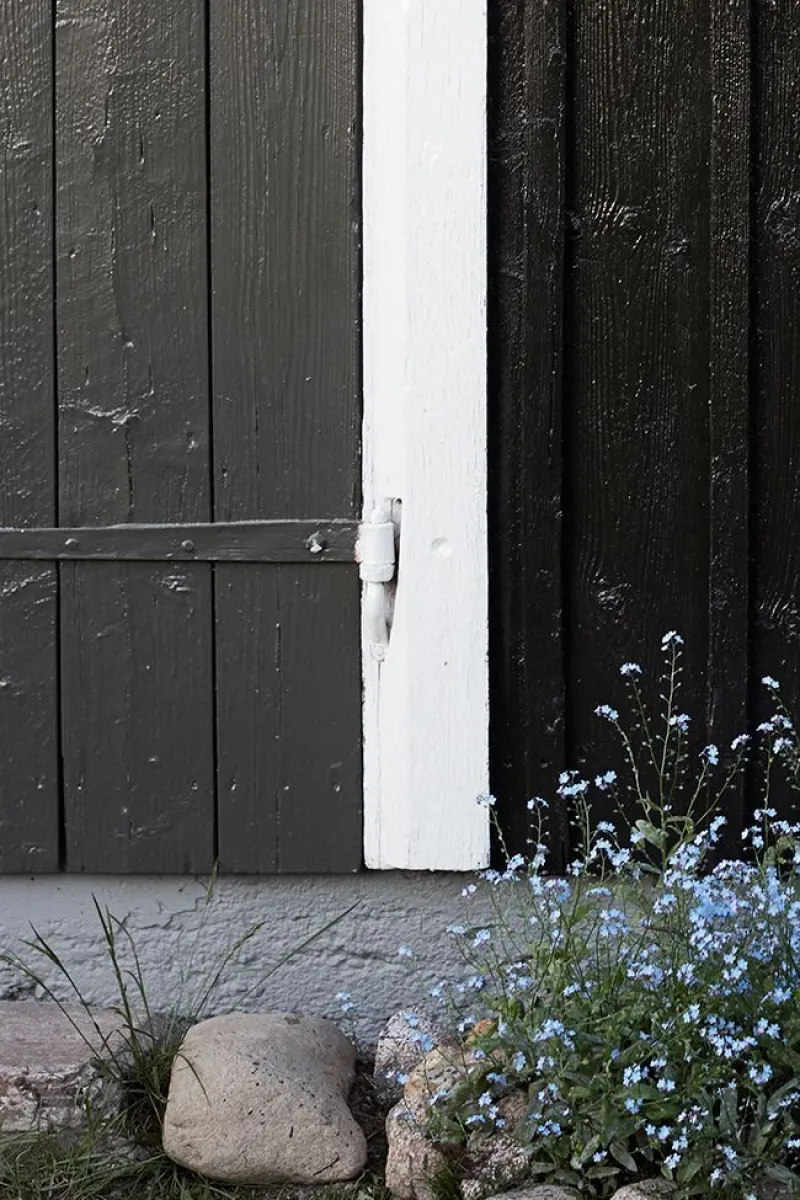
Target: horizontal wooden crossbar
236, 541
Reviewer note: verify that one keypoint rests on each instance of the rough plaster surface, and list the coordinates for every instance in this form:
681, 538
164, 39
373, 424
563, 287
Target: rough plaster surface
180, 943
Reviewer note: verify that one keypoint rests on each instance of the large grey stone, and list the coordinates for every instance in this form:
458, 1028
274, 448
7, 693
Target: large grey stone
258, 1099
649, 1189
45, 1062
646, 1190
539, 1191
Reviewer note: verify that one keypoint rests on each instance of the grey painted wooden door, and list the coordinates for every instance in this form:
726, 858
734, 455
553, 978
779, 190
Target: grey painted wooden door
179, 346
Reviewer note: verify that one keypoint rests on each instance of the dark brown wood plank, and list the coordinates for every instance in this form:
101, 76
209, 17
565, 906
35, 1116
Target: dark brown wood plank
637, 521
133, 428
729, 493
138, 733
776, 381
29, 783
289, 719
240, 541
286, 386
527, 59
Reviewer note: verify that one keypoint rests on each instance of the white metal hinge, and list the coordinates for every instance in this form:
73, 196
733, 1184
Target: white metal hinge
377, 558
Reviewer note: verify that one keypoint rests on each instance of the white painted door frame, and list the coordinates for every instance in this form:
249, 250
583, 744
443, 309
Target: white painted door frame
424, 436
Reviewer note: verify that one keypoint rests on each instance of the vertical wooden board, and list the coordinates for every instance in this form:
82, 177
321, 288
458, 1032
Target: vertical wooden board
289, 719
527, 59
285, 257
776, 377
131, 230
139, 732
29, 774
637, 438
28, 601
249, 650
320, 808
729, 382
133, 416
27, 490
286, 389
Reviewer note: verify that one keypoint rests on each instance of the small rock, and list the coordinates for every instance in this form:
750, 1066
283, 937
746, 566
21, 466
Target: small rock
262, 1098
491, 1160
412, 1160
540, 1191
401, 1045
46, 1069
645, 1190
439, 1071
485, 1025
514, 1110
498, 1159
495, 1160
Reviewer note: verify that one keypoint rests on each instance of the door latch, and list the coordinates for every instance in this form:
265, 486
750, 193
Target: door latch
376, 557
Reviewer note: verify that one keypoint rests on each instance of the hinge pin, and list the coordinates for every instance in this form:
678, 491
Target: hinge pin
376, 557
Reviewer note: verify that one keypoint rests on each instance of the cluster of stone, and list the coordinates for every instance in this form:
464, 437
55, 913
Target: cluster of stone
261, 1099
492, 1165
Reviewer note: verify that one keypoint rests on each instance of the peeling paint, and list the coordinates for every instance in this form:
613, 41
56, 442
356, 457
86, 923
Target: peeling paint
176, 583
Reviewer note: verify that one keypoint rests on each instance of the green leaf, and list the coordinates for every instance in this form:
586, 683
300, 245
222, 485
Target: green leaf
689, 1169
618, 1152
728, 1112
602, 1171
651, 834
540, 1168
781, 1174
590, 1149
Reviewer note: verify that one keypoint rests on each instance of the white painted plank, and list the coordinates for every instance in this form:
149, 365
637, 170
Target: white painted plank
426, 703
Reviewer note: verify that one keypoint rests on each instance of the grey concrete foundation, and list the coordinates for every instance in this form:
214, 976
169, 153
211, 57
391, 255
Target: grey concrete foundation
180, 945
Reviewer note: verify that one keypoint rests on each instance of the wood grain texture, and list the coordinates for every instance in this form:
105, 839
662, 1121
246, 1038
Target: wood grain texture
317, 542
289, 720
637, 439
133, 426
527, 61
132, 321
29, 784
426, 703
138, 718
776, 375
729, 381
286, 384
285, 257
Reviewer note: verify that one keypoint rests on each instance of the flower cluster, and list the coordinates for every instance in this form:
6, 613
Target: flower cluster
647, 1006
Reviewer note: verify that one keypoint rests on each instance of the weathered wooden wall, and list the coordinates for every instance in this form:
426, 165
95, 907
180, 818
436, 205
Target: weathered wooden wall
179, 344
644, 366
